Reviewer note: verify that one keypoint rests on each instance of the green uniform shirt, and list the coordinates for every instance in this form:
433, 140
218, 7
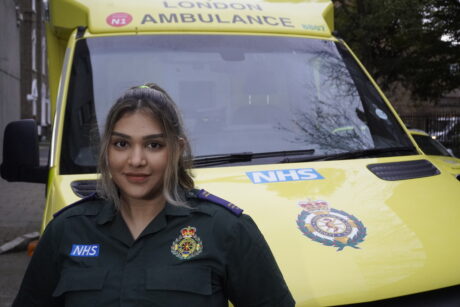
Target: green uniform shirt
198, 256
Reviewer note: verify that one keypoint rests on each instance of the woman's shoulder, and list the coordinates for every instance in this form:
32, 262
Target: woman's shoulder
89, 205
229, 221
225, 213
211, 203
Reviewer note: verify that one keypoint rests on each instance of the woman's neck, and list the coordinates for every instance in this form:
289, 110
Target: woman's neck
137, 214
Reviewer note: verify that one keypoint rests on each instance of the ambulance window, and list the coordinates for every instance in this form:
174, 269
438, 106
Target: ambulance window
81, 135
236, 93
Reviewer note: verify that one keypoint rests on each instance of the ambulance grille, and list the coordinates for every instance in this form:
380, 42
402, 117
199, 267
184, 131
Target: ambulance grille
83, 188
403, 170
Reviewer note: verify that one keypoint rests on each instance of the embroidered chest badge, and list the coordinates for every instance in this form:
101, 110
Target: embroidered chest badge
330, 226
187, 245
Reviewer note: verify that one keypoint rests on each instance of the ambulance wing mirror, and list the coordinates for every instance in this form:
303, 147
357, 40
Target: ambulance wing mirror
21, 153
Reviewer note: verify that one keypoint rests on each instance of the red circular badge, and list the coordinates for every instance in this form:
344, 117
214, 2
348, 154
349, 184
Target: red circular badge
119, 19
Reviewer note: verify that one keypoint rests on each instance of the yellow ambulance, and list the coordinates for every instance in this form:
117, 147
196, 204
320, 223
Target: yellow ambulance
284, 121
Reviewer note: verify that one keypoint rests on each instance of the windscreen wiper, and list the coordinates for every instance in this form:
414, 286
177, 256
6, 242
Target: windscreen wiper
223, 158
246, 157
373, 152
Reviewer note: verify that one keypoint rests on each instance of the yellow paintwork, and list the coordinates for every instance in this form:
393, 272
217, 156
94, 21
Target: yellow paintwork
411, 234
412, 225
302, 17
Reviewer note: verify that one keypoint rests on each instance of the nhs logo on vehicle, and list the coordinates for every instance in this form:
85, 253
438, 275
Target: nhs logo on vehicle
283, 175
85, 250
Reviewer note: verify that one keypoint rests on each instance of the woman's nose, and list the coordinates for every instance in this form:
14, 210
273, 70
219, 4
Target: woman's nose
137, 157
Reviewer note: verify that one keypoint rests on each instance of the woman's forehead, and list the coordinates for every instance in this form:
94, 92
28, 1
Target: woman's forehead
138, 123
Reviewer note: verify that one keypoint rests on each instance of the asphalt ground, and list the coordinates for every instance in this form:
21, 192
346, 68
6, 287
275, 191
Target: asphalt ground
21, 210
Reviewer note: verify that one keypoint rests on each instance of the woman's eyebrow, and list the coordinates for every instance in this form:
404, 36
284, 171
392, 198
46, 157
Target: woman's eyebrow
153, 136
114, 133
150, 136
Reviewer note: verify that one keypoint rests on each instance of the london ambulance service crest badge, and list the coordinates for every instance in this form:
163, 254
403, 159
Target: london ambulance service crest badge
187, 245
330, 226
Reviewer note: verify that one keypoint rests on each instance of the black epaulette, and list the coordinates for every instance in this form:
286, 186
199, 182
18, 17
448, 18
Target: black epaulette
90, 197
203, 194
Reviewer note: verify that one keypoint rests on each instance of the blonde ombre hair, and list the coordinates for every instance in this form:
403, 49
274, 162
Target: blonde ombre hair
153, 100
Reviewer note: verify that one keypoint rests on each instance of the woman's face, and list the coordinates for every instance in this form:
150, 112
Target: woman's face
138, 156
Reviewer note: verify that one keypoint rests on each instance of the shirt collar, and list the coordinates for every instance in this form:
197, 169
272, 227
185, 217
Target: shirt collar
107, 214
172, 210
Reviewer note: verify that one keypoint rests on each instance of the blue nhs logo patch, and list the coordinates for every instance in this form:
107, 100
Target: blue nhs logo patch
283, 175
85, 250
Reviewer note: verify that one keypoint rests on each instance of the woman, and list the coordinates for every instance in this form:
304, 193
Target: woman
149, 238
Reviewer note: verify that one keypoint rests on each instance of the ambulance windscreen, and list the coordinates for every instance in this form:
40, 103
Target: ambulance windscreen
236, 94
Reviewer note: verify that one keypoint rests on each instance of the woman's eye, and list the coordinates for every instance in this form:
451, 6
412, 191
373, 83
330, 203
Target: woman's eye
153, 145
120, 144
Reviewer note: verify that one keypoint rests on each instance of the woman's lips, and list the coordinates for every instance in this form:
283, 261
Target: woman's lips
136, 178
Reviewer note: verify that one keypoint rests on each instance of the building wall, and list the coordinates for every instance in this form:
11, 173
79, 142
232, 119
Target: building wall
34, 92
9, 65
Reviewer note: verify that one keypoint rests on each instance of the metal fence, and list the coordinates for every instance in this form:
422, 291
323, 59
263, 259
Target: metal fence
445, 127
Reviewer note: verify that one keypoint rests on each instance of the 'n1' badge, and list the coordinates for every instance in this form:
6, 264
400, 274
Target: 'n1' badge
187, 245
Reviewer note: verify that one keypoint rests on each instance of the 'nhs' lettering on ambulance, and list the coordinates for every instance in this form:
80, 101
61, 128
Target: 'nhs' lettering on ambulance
284, 175
85, 250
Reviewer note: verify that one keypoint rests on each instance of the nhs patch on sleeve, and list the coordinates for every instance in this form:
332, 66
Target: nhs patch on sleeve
85, 250
284, 175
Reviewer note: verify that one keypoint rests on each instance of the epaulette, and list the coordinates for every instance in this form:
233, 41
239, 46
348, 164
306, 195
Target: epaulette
203, 194
90, 197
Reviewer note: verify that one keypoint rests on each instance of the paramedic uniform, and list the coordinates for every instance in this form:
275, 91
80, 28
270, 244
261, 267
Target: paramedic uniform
198, 256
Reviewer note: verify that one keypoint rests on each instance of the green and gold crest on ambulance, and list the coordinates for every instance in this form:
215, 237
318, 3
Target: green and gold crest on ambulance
187, 245
330, 226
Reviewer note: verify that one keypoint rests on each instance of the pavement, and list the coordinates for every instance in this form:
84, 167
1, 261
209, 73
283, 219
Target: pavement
12, 269
21, 210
